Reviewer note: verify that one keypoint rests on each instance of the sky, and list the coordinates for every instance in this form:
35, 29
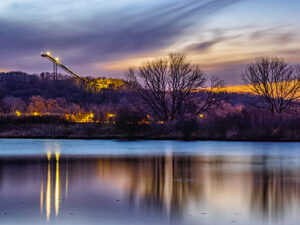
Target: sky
105, 38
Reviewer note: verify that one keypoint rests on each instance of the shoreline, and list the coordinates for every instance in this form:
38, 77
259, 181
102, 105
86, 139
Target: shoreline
125, 138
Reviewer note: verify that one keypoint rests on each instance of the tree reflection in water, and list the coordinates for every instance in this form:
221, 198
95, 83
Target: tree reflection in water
174, 186
274, 189
170, 183
164, 183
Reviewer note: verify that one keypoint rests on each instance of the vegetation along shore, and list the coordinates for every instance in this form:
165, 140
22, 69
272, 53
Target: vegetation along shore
167, 98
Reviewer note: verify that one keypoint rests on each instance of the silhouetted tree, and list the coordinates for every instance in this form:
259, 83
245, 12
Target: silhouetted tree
165, 85
275, 81
214, 96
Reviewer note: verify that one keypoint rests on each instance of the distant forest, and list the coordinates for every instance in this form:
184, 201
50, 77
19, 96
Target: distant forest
20, 91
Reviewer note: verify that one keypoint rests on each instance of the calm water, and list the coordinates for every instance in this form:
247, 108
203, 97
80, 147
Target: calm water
148, 182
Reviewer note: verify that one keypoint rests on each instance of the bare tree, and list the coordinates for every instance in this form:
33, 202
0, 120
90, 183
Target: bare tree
149, 82
165, 85
276, 82
37, 105
13, 104
214, 96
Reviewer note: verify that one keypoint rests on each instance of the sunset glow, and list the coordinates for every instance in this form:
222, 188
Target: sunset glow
145, 112
222, 36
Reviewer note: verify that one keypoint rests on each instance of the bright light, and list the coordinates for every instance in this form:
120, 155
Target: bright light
57, 185
48, 155
57, 156
81, 117
36, 114
48, 193
57, 59
48, 53
18, 113
42, 198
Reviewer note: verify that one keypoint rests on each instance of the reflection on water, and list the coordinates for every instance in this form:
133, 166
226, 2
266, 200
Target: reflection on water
163, 189
49, 185
57, 190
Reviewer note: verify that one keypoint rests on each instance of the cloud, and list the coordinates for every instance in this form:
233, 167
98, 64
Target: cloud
205, 45
96, 35
275, 34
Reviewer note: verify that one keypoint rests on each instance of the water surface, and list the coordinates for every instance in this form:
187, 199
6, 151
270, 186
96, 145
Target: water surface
148, 182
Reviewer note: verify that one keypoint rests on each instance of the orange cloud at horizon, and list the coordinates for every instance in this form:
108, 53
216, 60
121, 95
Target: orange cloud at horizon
217, 52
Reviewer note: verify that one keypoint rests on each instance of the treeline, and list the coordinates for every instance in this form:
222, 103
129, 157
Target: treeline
164, 98
24, 86
46, 93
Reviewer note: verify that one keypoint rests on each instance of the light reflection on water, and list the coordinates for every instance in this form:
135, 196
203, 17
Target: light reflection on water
151, 189
49, 185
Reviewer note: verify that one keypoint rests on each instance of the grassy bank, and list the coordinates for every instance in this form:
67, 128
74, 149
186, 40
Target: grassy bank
238, 126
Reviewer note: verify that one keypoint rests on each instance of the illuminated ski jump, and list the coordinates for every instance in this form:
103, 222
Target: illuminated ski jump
57, 63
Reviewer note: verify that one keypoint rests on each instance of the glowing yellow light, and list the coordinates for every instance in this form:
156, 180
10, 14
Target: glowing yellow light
110, 116
48, 53
42, 198
201, 115
48, 194
18, 113
144, 121
57, 154
102, 83
57, 59
67, 180
57, 184
80, 117
36, 114
48, 155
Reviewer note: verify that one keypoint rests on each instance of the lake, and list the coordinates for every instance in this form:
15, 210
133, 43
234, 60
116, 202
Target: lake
148, 182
